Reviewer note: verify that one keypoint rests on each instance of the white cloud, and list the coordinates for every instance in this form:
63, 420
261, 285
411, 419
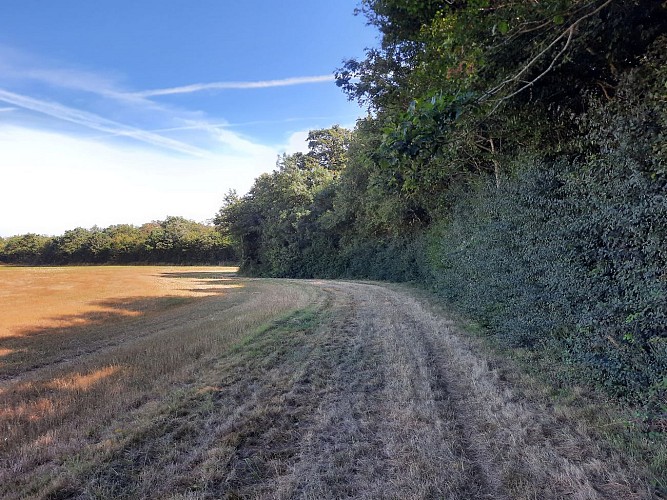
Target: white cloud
198, 87
53, 182
180, 163
18, 66
297, 142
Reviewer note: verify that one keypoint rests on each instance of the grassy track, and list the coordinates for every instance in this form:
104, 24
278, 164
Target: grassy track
288, 389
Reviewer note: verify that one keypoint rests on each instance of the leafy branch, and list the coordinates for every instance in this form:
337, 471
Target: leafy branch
566, 34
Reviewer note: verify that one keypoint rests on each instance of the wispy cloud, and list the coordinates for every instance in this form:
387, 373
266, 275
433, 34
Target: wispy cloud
95, 122
199, 87
18, 66
227, 125
102, 102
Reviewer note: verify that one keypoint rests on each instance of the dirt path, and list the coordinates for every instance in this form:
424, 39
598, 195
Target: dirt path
384, 399
366, 393
411, 411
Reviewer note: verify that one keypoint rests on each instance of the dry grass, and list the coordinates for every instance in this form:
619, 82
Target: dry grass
104, 376
55, 313
610, 429
414, 409
34, 298
285, 389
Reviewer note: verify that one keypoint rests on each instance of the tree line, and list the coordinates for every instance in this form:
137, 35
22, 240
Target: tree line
174, 240
513, 159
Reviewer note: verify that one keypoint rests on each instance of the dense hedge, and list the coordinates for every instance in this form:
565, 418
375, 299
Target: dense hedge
571, 255
395, 260
571, 252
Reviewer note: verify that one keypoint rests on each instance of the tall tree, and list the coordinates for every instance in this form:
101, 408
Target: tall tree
267, 223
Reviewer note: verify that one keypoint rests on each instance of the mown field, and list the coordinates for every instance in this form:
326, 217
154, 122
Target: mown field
168, 382
92, 357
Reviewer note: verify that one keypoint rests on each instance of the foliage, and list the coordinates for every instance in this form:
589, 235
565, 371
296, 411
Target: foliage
273, 226
513, 158
175, 240
465, 81
570, 255
571, 252
27, 248
556, 49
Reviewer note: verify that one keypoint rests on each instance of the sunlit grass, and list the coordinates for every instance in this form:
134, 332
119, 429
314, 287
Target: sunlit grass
48, 297
5, 352
94, 385
82, 382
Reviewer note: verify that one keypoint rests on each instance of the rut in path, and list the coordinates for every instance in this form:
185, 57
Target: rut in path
384, 429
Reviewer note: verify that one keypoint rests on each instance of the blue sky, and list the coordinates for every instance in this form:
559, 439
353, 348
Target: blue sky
127, 111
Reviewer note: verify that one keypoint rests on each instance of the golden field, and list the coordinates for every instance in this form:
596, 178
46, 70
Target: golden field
91, 355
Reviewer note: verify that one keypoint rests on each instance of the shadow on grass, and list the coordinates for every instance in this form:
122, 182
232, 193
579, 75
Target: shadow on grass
111, 322
203, 275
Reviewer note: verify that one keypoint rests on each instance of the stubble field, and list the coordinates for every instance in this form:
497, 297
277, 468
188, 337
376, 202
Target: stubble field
165, 382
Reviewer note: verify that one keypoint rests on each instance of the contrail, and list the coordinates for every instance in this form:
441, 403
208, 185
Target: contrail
96, 122
198, 87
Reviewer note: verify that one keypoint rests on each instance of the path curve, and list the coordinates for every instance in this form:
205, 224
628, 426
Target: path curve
412, 410
301, 390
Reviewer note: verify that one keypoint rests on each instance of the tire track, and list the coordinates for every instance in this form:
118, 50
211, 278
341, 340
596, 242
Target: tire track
427, 453
445, 409
385, 426
342, 453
